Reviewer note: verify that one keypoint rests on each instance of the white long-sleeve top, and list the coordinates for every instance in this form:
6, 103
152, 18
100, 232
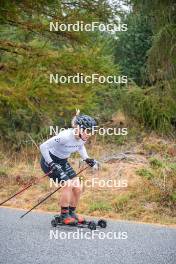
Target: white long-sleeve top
63, 145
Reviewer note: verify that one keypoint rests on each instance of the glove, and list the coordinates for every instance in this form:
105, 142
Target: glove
57, 169
91, 162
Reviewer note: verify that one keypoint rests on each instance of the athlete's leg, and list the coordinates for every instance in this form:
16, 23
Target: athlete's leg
66, 194
76, 191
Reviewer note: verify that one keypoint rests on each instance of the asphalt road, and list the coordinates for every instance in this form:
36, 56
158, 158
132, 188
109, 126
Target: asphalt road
32, 240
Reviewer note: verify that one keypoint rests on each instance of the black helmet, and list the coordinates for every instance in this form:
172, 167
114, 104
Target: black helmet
85, 121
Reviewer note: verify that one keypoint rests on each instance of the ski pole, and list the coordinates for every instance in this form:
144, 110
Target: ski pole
49, 195
25, 188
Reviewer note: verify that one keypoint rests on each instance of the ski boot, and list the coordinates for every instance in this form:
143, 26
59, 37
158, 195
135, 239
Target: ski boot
80, 219
67, 219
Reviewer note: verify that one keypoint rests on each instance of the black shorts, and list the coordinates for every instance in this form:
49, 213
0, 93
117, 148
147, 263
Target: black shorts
69, 171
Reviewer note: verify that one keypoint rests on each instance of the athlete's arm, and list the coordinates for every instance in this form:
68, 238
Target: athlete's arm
83, 152
84, 155
50, 144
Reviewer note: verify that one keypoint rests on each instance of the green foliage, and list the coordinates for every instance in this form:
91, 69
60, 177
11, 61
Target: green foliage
145, 173
173, 197
148, 108
155, 163
99, 206
132, 46
172, 166
146, 52
161, 56
29, 53
3, 173
120, 202
161, 176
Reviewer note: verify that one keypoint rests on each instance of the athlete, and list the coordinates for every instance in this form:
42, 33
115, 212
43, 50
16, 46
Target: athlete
55, 152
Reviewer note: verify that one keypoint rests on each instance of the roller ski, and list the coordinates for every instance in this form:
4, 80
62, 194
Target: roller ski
71, 221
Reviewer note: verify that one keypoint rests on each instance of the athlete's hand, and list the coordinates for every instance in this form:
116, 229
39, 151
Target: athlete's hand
91, 162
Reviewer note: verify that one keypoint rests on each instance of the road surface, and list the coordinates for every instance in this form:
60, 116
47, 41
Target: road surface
32, 240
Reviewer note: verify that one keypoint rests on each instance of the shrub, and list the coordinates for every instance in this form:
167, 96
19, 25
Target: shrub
120, 202
155, 163
99, 206
145, 173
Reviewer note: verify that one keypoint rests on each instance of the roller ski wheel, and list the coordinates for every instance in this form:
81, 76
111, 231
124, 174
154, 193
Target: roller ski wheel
92, 225
57, 218
102, 223
53, 223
